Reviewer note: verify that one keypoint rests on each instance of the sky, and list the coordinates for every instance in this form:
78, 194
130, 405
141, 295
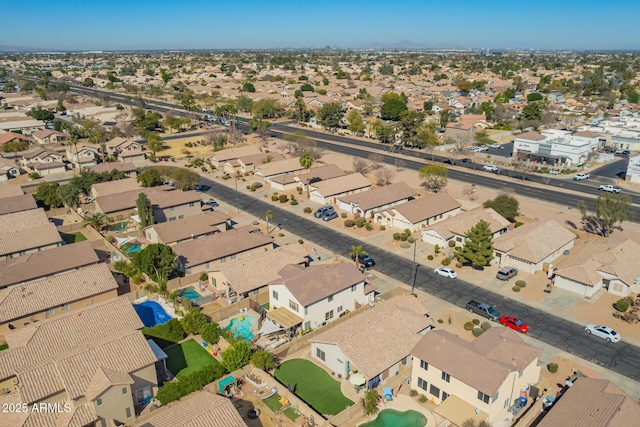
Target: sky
213, 24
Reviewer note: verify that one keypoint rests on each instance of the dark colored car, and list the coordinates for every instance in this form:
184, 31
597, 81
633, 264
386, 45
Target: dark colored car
398, 147
466, 160
366, 260
514, 323
201, 187
449, 161
212, 203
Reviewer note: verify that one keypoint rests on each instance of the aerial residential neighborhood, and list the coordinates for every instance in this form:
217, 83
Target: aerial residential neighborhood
199, 228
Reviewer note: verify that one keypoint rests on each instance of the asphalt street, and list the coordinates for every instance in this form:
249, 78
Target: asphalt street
622, 357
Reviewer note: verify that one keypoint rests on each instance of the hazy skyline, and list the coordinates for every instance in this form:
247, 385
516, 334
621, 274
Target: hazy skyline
198, 24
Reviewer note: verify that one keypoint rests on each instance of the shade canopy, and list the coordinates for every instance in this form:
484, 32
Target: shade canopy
269, 327
357, 379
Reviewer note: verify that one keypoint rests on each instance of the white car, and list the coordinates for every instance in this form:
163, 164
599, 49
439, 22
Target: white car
446, 272
609, 189
604, 332
495, 145
581, 176
490, 168
482, 148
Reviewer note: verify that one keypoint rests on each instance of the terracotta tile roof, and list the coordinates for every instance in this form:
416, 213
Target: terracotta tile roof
10, 190
199, 409
13, 204
314, 283
535, 241
380, 196
425, 207
195, 225
249, 274
40, 152
260, 158
381, 336
341, 184
115, 187
235, 153
279, 168
461, 224
532, 136
220, 245
37, 166
108, 167
10, 136
160, 197
115, 142
322, 172
483, 364
593, 403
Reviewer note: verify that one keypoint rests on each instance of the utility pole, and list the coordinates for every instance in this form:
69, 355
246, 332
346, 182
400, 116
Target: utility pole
415, 266
235, 179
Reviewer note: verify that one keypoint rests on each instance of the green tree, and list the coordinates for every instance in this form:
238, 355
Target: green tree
145, 121
306, 88
69, 195
266, 108
48, 195
154, 142
427, 137
306, 160
40, 114
611, 209
150, 178
330, 115
505, 205
478, 245
434, 177
210, 332
464, 86
356, 123
88, 82
15, 146
267, 216
60, 106
244, 103
145, 210
356, 252
409, 124
263, 359
535, 96
445, 117
488, 109
248, 87
370, 402
184, 179
171, 122
194, 321
383, 132
157, 261
532, 111
97, 220
301, 110
237, 355
166, 77
392, 109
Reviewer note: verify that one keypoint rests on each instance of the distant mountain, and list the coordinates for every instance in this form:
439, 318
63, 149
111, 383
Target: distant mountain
407, 44
6, 48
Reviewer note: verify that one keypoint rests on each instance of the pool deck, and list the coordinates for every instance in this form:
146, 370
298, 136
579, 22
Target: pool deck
404, 403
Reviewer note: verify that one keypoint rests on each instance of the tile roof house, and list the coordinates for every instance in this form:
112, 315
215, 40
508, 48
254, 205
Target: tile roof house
291, 181
317, 294
43, 298
49, 136
114, 187
118, 145
46, 263
247, 276
377, 199
268, 171
532, 245
330, 190
610, 265
25, 232
486, 374
189, 228
375, 342
84, 155
199, 255
96, 360
466, 126
591, 402
8, 169
14, 137
201, 408
456, 228
10, 190
129, 169
419, 213
219, 158
248, 164
20, 203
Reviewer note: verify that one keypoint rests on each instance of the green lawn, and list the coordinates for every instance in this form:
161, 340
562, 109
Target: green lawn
290, 414
188, 357
273, 402
4, 346
73, 237
313, 385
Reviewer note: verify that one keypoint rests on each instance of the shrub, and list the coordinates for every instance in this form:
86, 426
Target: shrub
422, 398
262, 359
477, 332
446, 261
176, 389
468, 326
349, 223
249, 187
451, 243
294, 202
518, 224
440, 321
521, 283
475, 321
552, 367
34, 175
485, 326
210, 332
368, 226
165, 334
307, 210
430, 257
193, 321
360, 222
410, 239
300, 241
343, 215
283, 198
405, 245
275, 198
516, 289
413, 393
396, 236
382, 228
280, 234
203, 277
404, 237
622, 305
255, 186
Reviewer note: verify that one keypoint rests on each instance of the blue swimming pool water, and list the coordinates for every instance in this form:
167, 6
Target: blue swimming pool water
151, 313
119, 226
189, 293
393, 418
242, 328
130, 248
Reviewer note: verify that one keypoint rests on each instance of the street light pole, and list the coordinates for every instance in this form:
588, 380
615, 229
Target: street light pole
235, 179
415, 266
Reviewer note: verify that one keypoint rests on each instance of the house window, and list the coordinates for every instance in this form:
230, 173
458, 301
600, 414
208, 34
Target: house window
66, 307
207, 265
353, 288
127, 412
434, 391
506, 403
330, 298
180, 216
320, 354
192, 204
307, 324
99, 401
274, 294
422, 384
223, 260
124, 390
483, 397
233, 256
172, 208
172, 218
306, 311
51, 312
339, 309
424, 365
189, 270
618, 287
446, 377
293, 305
143, 394
444, 395
328, 315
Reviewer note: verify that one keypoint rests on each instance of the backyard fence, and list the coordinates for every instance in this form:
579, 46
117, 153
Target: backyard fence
132, 296
253, 302
179, 282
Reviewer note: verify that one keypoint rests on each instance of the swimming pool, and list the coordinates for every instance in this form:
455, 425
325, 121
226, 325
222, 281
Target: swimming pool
189, 293
241, 327
151, 313
129, 248
393, 418
119, 226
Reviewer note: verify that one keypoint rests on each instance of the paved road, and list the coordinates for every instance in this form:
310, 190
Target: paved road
622, 358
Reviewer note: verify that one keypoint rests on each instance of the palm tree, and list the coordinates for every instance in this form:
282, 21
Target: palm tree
96, 220
306, 160
356, 253
267, 216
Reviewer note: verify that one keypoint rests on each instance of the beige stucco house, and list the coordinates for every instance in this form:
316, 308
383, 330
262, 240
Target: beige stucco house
456, 228
419, 213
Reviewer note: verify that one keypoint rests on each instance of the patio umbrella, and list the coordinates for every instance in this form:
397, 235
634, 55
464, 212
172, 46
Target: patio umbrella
357, 379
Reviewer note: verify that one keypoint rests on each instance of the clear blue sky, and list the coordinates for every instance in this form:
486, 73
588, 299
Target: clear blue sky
215, 24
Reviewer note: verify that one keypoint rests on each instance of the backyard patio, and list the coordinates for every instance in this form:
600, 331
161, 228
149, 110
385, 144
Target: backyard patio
188, 357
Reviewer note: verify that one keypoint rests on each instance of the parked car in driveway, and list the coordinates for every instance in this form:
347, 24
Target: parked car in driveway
483, 309
490, 168
506, 273
330, 215
604, 332
323, 211
211, 203
581, 176
446, 272
514, 323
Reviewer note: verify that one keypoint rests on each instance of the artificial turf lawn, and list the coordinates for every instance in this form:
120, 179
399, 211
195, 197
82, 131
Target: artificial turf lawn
273, 402
73, 237
313, 385
188, 357
290, 414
